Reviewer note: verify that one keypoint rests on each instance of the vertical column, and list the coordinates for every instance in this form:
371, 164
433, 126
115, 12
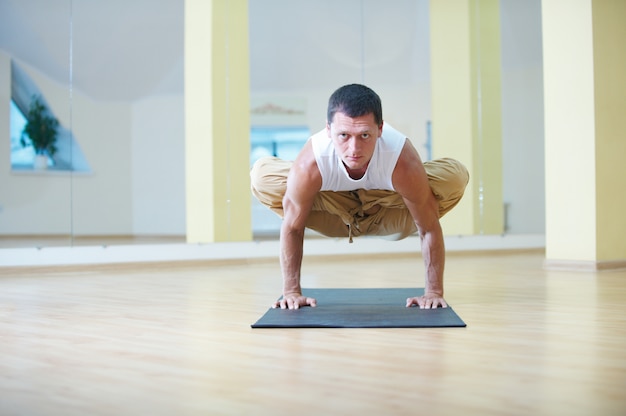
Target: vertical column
5, 113
217, 121
466, 106
609, 55
584, 104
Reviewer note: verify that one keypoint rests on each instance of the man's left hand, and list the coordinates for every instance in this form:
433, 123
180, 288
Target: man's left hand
428, 301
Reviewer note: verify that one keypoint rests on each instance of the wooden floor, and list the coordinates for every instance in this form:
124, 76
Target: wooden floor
176, 340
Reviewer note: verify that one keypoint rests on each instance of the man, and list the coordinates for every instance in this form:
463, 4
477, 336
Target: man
359, 176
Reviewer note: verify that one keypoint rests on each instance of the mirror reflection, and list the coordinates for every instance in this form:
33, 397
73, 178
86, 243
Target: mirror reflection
290, 85
128, 112
35, 208
112, 74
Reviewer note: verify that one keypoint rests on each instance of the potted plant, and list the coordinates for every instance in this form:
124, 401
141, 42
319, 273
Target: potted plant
41, 129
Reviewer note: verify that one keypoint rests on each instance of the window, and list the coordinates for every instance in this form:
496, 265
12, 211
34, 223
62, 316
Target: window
21, 157
282, 142
68, 157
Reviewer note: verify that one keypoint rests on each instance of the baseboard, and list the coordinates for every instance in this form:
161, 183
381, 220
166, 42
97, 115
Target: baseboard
584, 266
138, 253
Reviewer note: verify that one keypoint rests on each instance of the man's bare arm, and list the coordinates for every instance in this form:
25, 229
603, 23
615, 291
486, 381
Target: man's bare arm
411, 182
303, 184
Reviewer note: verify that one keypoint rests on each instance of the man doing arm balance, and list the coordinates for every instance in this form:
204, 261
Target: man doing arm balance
359, 176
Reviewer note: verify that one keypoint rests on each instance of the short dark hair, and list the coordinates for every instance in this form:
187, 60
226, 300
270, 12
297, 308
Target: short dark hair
355, 100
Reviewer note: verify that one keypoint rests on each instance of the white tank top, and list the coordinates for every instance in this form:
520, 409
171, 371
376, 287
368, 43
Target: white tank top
335, 177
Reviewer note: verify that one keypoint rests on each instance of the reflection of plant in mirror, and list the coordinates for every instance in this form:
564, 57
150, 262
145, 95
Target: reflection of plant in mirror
41, 129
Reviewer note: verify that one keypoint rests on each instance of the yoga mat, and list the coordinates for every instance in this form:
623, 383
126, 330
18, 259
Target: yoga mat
360, 308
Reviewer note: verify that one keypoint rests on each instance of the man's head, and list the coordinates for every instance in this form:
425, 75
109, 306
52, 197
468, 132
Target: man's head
355, 100
355, 122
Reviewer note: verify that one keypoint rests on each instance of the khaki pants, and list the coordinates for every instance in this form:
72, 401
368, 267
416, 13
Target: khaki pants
342, 214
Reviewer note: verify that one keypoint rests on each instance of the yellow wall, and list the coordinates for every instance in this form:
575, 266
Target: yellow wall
217, 121
584, 99
609, 55
569, 130
452, 100
487, 115
466, 106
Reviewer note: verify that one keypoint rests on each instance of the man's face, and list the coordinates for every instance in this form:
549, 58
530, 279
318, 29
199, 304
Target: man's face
354, 140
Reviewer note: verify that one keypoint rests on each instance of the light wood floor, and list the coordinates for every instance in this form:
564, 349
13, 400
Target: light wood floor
176, 340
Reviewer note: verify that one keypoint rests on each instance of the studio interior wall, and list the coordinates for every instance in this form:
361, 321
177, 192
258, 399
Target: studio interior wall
157, 168
522, 116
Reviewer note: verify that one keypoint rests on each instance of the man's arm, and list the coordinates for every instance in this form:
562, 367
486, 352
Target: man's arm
411, 182
303, 184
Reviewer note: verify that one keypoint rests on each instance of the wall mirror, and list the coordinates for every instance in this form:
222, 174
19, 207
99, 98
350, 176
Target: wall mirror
112, 73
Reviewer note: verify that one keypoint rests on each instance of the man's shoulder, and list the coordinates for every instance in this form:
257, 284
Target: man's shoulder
322, 145
320, 137
306, 163
408, 160
304, 176
390, 134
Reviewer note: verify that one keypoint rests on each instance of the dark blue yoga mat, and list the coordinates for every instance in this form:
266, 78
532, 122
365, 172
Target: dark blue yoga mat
360, 308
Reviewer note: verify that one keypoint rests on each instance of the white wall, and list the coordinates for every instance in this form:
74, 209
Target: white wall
522, 115
102, 200
157, 172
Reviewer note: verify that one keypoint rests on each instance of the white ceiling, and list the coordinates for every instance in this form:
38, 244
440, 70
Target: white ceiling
120, 50
297, 44
128, 49
125, 50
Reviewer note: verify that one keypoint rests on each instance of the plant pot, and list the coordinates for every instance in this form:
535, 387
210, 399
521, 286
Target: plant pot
40, 162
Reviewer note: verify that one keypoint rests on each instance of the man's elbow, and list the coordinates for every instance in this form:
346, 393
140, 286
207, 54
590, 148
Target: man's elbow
290, 228
432, 230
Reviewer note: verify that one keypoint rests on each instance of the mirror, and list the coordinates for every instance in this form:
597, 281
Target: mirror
326, 44
522, 117
128, 115
36, 205
113, 74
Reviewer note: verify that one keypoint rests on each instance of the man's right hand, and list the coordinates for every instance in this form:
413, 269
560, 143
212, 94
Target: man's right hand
294, 301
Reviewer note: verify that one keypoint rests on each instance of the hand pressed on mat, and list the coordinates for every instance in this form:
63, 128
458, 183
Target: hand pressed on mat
371, 307
428, 301
294, 301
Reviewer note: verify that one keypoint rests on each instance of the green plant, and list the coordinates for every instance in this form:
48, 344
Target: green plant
41, 129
